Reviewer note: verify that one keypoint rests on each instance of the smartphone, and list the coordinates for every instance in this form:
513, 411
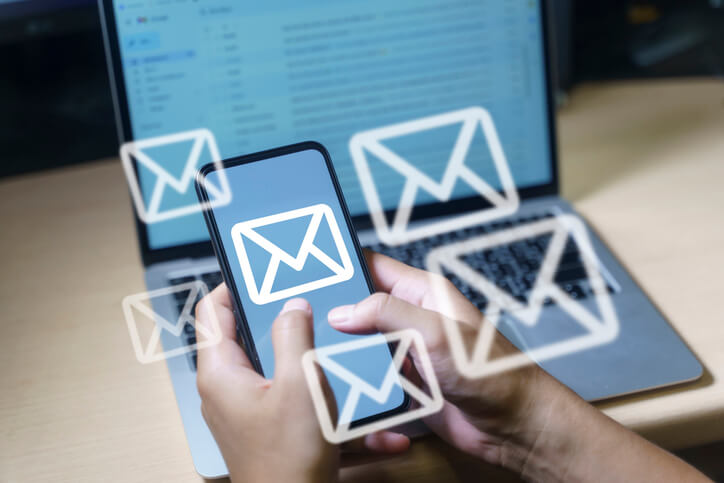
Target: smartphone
287, 233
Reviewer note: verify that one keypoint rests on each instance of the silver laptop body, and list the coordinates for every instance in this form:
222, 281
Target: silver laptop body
646, 354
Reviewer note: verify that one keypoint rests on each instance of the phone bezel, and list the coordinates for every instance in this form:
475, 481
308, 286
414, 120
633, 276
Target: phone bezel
242, 325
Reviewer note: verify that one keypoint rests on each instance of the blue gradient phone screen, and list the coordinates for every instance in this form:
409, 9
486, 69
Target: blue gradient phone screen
285, 236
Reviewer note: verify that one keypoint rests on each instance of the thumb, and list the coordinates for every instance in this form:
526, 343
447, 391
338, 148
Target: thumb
292, 336
382, 312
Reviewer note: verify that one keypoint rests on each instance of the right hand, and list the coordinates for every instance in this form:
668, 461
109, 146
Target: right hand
489, 418
522, 419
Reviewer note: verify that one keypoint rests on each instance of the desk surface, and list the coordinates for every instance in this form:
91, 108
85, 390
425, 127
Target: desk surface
643, 162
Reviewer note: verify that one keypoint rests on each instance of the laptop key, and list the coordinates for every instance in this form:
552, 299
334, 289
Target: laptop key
571, 274
513, 267
212, 279
180, 280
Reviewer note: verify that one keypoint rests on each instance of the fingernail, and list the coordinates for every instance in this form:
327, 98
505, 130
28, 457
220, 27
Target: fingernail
340, 315
296, 304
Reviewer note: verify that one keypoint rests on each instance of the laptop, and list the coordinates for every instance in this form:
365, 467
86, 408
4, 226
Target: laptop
262, 75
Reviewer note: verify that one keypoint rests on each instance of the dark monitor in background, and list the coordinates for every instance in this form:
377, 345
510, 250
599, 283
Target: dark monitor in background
54, 93
24, 8
57, 108
626, 39
25, 20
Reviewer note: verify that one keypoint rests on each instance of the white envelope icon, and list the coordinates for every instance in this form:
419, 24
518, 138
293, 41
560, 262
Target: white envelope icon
458, 168
150, 211
263, 294
339, 431
599, 329
148, 351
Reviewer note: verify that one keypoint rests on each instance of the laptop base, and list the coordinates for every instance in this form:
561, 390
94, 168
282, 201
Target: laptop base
647, 353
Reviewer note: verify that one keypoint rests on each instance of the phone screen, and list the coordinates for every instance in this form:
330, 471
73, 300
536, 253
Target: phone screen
285, 235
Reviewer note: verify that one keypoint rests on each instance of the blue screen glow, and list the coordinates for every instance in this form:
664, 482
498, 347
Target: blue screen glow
265, 74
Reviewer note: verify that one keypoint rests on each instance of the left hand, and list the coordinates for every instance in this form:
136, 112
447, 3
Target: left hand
267, 430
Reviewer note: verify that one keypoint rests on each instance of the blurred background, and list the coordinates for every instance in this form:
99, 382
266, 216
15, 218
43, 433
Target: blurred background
57, 109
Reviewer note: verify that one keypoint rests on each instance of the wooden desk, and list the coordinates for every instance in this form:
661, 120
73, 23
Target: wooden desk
644, 162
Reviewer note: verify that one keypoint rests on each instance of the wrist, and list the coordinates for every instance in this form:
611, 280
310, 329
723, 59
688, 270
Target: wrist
541, 446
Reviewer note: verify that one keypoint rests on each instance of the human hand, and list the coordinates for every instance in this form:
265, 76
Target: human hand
267, 430
483, 417
522, 419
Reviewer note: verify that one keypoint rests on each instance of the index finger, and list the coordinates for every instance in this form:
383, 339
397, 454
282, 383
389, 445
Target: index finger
214, 312
386, 271
415, 286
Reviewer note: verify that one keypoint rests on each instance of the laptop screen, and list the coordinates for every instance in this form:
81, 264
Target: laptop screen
264, 74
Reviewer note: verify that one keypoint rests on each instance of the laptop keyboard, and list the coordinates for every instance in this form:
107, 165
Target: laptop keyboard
512, 266
211, 279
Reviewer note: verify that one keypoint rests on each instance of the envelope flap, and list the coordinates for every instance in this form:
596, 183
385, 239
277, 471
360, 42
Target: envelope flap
171, 158
422, 149
161, 322
288, 235
296, 260
174, 158
461, 258
561, 230
380, 391
141, 303
462, 126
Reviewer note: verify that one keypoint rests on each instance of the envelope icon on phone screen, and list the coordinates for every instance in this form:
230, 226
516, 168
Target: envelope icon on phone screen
595, 315
458, 168
170, 193
336, 266
336, 429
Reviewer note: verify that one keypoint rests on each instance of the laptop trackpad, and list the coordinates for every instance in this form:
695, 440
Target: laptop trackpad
553, 326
